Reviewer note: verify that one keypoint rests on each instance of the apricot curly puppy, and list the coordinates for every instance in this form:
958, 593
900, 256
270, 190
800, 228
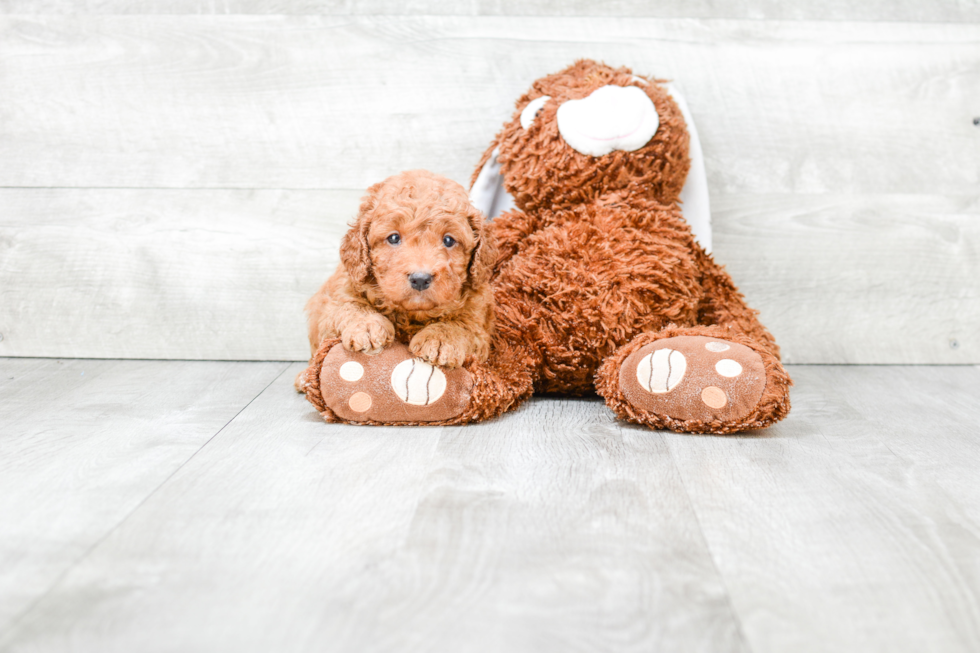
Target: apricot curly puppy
414, 267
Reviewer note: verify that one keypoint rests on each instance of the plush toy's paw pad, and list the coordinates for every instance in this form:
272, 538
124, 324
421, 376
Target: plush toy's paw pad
391, 387
694, 378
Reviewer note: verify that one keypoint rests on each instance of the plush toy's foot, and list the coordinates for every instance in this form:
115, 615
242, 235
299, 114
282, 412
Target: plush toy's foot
696, 383
694, 378
392, 387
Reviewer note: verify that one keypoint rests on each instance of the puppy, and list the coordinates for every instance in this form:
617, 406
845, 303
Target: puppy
415, 266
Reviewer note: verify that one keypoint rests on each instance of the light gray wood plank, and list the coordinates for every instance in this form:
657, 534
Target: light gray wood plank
165, 274
84, 443
196, 274
553, 530
901, 10
550, 530
866, 279
853, 525
14, 370
341, 102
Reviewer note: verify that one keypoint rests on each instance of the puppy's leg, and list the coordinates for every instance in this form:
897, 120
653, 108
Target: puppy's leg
360, 330
450, 344
368, 332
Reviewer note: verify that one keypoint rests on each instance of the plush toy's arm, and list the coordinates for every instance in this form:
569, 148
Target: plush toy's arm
510, 229
724, 306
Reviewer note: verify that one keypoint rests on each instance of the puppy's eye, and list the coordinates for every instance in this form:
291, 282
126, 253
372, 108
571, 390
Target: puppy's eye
394, 239
448, 241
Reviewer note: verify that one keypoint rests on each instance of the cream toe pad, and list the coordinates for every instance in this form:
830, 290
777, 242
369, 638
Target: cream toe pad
661, 371
728, 367
351, 371
418, 383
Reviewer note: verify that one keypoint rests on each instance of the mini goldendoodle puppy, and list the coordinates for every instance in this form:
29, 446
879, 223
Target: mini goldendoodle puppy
414, 267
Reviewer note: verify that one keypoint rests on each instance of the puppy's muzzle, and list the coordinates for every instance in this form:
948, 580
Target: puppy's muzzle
420, 280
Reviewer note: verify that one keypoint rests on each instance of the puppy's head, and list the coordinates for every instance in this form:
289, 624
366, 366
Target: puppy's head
418, 243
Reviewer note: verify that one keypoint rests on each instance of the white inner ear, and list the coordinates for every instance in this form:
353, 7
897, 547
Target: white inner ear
611, 118
531, 110
488, 193
695, 204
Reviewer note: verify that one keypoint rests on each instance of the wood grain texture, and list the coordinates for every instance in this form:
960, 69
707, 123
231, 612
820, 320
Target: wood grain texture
842, 162
880, 10
206, 274
165, 274
84, 443
341, 102
866, 279
853, 525
288, 534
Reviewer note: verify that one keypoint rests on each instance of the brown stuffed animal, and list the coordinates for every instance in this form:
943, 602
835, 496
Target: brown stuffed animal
599, 284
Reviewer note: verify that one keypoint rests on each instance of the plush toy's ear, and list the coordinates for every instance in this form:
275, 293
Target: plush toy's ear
484, 160
487, 191
484, 253
354, 251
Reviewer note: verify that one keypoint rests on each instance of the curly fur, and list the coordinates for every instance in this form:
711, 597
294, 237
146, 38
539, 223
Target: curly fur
369, 302
656, 171
597, 261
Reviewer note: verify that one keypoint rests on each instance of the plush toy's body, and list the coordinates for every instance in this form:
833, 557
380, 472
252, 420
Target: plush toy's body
599, 284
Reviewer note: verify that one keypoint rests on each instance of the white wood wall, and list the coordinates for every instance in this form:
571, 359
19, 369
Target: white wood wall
175, 176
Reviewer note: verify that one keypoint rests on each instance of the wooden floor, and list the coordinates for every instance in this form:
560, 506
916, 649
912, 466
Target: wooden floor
203, 506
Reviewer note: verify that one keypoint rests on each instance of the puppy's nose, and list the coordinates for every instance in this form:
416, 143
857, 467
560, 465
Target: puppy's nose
420, 280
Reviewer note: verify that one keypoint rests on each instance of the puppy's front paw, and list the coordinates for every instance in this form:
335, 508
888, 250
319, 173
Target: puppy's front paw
439, 344
370, 336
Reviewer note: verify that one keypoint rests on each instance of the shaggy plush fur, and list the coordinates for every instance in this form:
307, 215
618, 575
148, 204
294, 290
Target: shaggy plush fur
596, 262
401, 229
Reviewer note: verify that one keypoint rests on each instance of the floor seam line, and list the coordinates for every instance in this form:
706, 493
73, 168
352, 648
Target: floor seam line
707, 545
26, 611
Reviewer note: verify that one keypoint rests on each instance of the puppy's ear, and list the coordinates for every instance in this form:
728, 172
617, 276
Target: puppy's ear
484, 253
354, 251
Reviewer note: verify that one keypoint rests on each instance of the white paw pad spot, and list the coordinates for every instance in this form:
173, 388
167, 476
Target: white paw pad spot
351, 371
661, 371
728, 367
418, 383
717, 346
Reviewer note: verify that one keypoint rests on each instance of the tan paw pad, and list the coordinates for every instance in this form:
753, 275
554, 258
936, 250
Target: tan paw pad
694, 378
714, 397
392, 387
360, 402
